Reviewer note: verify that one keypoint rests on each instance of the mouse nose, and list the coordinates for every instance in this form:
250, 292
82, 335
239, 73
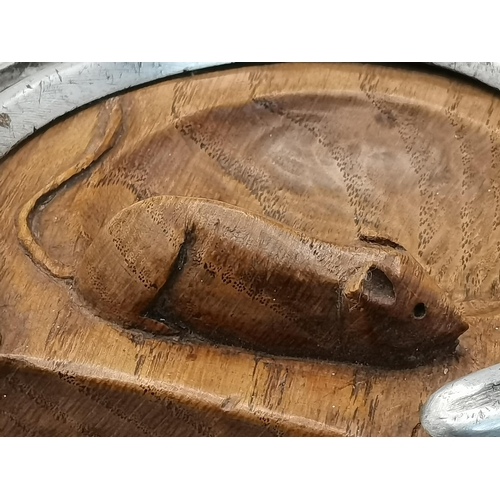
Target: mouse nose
452, 326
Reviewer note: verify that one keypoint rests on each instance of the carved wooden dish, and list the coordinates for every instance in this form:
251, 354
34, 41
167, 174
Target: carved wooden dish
345, 154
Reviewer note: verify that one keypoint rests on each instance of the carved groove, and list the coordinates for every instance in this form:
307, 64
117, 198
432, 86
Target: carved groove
160, 307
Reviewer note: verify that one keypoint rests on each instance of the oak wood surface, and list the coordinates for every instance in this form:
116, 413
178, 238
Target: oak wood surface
333, 151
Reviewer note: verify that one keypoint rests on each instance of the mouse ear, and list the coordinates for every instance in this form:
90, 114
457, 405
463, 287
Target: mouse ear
377, 288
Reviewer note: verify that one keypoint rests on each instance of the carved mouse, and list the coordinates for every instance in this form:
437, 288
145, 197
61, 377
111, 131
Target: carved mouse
167, 264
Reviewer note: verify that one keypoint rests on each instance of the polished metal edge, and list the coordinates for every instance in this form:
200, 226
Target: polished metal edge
11, 73
486, 72
468, 406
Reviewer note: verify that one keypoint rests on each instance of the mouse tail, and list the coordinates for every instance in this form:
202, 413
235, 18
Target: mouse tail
112, 111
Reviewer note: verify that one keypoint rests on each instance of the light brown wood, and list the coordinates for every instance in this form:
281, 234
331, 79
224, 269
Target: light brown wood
331, 151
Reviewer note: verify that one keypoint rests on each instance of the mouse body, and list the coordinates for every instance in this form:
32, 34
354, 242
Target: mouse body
175, 264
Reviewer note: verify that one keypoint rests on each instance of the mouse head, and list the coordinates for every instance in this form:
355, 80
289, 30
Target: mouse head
400, 310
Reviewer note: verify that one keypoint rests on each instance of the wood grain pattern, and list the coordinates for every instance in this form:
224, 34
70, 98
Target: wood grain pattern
333, 151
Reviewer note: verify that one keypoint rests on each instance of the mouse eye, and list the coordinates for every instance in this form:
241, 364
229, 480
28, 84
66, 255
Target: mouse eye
419, 311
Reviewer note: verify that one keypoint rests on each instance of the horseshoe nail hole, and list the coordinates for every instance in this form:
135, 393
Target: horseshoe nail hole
419, 311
